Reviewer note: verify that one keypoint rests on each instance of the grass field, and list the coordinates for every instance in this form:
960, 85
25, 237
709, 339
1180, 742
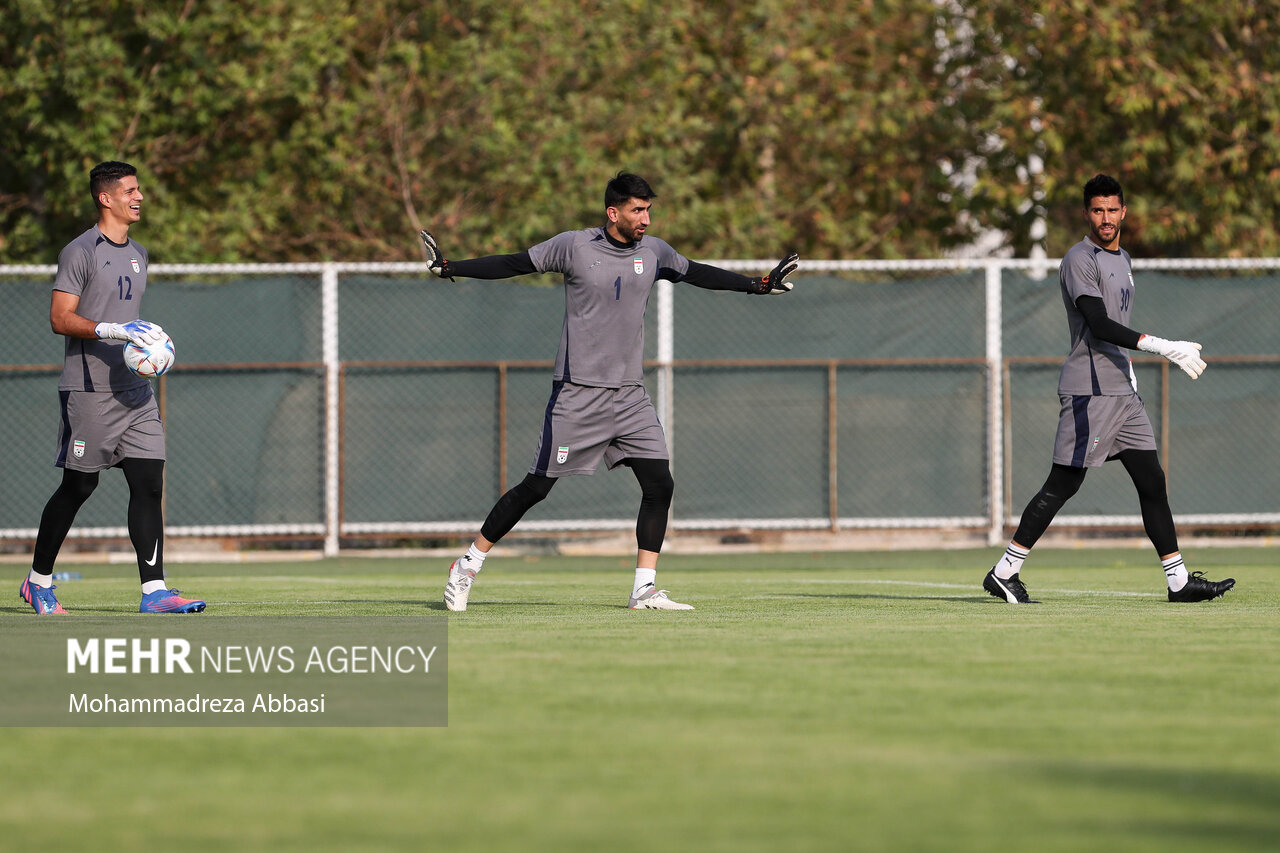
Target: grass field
835, 701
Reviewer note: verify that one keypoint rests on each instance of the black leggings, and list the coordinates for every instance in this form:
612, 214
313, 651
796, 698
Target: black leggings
146, 515
656, 489
512, 506
1064, 481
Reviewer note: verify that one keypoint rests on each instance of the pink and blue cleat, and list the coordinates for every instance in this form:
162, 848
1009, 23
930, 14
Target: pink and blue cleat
41, 599
168, 601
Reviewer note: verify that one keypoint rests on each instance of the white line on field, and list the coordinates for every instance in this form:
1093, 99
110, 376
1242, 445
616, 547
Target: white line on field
973, 587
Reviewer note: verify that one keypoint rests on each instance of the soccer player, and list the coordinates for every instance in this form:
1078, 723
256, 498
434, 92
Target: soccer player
599, 409
1103, 417
109, 416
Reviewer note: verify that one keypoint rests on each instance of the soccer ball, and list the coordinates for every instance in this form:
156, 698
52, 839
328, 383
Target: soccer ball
151, 360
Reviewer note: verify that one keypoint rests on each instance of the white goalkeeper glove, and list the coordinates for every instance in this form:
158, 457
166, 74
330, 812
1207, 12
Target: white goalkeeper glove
139, 332
1185, 354
435, 258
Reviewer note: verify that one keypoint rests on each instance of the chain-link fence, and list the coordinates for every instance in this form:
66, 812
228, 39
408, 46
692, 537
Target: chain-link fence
343, 401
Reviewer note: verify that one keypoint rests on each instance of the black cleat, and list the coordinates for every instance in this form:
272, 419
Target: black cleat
1007, 589
1199, 589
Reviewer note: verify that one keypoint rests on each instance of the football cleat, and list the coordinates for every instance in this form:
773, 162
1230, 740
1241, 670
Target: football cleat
655, 599
41, 599
1007, 589
168, 601
457, 590
1197, 588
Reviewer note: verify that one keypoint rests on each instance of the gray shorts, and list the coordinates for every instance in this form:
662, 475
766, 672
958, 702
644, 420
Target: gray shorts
584, 424
99, 428
1092, 430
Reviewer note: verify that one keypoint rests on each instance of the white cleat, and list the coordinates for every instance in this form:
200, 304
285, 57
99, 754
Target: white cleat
458, 587
655, 599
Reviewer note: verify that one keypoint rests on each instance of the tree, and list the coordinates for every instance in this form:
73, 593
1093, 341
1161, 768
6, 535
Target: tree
313, 131
1178, 101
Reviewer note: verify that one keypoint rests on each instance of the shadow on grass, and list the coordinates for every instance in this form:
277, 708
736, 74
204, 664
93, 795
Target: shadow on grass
1224, 808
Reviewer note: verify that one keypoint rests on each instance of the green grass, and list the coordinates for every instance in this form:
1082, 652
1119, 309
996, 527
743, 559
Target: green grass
848, 701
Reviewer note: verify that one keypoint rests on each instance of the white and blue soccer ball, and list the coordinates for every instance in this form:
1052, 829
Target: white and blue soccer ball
150, 360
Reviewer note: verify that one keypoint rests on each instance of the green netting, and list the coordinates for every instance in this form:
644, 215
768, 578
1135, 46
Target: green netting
750, 443
912, 442
220, 320
869, 315
244, 448
749, 430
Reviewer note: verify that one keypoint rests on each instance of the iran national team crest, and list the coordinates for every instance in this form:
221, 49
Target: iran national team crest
77, 449
136, 268
562, 453
639, 265
1131, 284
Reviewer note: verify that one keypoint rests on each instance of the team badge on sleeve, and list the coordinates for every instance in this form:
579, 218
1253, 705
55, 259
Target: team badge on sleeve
562, 454
639, 265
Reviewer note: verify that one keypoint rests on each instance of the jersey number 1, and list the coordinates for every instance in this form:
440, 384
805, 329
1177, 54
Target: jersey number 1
617, 289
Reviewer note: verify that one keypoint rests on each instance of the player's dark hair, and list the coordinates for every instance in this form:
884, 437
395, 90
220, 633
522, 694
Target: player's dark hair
105, 175
625, 185
1102, 185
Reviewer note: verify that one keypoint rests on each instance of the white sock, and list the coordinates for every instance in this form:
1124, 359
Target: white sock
152, 586
473, 560
644, 578
1011, 563
1175, 571
38, 579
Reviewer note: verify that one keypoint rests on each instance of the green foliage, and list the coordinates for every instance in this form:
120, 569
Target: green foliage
1178, 100
309, 131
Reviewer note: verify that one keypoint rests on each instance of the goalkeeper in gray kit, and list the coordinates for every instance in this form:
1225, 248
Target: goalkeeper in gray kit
109, 418
1102, 417
598, 409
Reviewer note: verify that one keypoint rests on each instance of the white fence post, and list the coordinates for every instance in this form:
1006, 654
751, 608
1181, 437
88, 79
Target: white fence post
995, 403
665, 403
329, 332
666, 354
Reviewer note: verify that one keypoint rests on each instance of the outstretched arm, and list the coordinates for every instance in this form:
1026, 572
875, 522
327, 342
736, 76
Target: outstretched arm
488, 267
715, 278
1185, 354
491, 266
